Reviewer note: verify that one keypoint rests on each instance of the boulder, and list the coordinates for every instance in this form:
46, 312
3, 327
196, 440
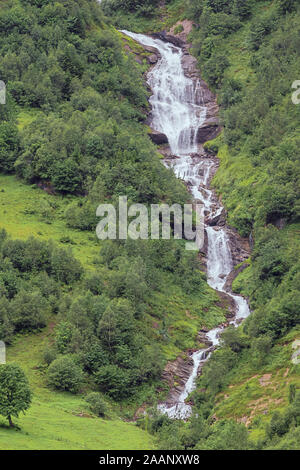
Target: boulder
206, 133
158, 137
163, 36
219, 219
152, 59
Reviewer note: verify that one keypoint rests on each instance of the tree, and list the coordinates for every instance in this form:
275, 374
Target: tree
226, 435
6, 326
9, 146
116, 325
66, 176
287, 6
29, 310
15, 394
260, 348
292, 393
64, 267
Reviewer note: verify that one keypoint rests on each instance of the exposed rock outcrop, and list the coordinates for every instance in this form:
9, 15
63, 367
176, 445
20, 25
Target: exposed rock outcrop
219, 219
176, 374
158, 137
240, 247
152, 59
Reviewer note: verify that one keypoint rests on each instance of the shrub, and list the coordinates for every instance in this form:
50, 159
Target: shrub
114, 381
50, 354
178, 29
64, 374
96, 404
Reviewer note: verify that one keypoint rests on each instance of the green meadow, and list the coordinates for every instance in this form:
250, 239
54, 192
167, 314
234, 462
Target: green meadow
29, 211
59, 420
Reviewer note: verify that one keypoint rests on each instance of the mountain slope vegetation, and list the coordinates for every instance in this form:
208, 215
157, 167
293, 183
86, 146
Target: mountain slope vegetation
248, 52
73, 136
107, 316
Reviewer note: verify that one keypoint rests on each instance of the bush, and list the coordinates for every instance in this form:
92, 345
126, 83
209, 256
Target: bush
114, 381
96, 404
178, 29
261, 29
215, 67
233, 338
65, 268
64, 374
50, 354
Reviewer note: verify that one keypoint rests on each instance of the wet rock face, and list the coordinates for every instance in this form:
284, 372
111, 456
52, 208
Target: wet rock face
184, 27
219, 220
207, 132
240, 247
233, 275
164, 36
176, 374
210, 128
158, 137
203, 164
152, 59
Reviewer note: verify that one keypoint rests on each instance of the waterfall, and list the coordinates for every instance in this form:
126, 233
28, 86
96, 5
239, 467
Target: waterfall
175, 112
174, 108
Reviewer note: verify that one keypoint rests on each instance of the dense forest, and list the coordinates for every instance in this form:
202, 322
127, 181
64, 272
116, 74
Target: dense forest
74, 124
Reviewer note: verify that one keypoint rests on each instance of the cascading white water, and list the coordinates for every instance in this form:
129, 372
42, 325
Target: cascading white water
175, 113
174, 108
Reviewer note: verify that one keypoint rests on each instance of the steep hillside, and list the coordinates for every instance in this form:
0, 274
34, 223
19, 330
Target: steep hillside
85, 316
259, 183
73, 136
248, 52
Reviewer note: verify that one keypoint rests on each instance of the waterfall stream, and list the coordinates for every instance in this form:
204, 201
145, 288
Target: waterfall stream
175, 113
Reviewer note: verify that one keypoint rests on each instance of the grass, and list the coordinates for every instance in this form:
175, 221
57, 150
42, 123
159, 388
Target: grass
164, 18
61, 421
26, 117
187, 315
255, 392
29, 211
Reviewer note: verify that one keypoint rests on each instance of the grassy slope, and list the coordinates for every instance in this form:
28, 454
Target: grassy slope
26, 210
54, 421
255, 392
21, 214
163, 19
